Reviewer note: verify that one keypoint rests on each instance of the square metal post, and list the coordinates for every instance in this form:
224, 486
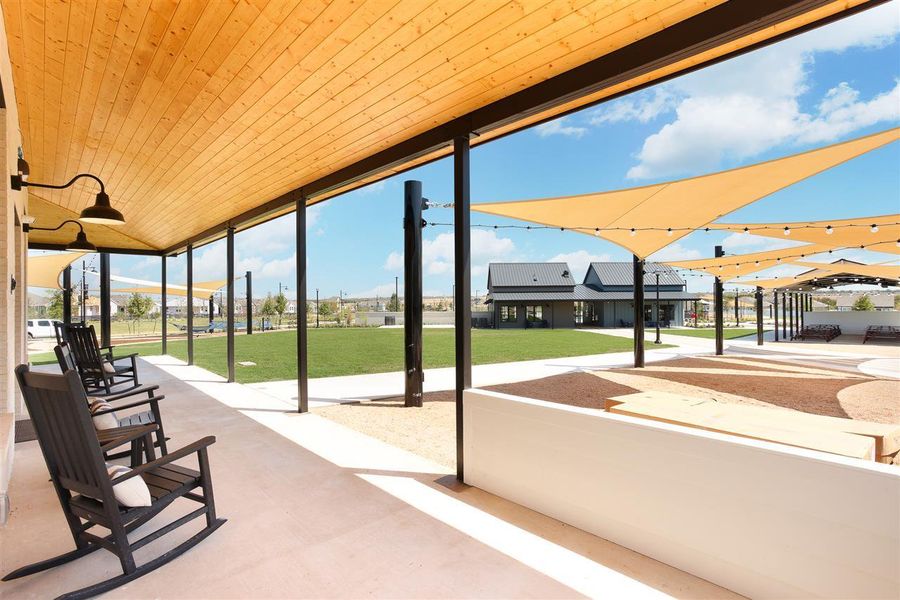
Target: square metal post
229, 325
412, 292
638, 286
211, 308
67, 295
105, 299
719, 301
775, 311
248, 278
784, 318
302, 331
462, 274
190, 304
759, 316
802, 312
791, 315
163, 303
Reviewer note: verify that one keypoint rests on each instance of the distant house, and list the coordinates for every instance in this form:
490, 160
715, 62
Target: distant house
547, 295
881, 300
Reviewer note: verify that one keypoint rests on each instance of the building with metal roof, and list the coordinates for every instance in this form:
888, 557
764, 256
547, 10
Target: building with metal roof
546, 295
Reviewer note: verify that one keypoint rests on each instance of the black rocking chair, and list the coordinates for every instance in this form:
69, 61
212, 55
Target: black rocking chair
58, 407
96, 364
136, 419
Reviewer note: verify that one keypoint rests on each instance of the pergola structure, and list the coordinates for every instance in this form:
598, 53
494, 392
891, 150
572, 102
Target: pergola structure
203, 122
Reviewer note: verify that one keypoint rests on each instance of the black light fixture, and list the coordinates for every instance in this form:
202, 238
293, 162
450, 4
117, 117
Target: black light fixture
101, 213
79, 244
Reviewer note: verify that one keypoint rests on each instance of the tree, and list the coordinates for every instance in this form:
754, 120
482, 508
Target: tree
863, 303
137, 307
393, 304
326, 309
55, 306
280, 305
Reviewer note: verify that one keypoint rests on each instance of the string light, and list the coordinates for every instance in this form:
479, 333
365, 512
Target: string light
829, 230
874, 228
746, 230
669, 232
787, 231
633, 232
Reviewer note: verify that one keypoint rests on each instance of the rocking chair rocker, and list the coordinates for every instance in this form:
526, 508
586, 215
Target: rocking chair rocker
58, 407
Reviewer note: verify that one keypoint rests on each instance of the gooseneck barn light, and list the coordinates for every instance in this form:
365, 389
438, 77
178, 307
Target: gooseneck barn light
101, 213
79, 244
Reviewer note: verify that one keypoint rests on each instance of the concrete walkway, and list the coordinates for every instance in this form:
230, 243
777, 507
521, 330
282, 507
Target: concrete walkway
318, 510
351, 388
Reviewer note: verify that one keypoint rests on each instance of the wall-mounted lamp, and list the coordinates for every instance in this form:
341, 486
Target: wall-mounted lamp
101, 213
79, 244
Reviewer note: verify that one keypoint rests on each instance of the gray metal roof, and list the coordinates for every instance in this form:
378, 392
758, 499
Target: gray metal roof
530, 275
622, 273
583, 293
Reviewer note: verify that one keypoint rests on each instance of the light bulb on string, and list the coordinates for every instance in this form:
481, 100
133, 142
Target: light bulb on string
669, 232
633, 232
597, 231
829, 230
787, 231
746, 230
874, 228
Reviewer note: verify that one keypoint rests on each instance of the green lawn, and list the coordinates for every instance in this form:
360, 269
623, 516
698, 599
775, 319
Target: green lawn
360, 350
710, 333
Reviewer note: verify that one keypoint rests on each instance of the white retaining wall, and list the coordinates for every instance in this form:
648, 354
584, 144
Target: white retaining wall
762, 519
853, 322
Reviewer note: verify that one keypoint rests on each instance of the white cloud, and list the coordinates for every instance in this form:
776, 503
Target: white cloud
675, 252
283, 269
437, 253
579, 261
385, 290
743, 242
642, 107
558, 128
746, 106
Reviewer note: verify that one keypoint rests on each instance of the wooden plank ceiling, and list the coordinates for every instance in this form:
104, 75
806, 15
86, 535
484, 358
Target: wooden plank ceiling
196, 112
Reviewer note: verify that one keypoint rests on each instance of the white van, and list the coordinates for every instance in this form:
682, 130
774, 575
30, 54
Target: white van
41, 328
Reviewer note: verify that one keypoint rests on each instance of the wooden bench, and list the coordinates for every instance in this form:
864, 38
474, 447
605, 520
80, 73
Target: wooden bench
847, 437
881, 332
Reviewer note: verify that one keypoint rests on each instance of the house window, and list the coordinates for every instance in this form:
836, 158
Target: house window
534, 313
508, 314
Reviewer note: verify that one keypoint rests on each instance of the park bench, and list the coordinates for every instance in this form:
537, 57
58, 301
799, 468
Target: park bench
846, 437
824, 332
881, 332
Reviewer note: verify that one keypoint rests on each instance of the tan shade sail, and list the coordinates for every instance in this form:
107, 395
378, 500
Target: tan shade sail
682, 205
195, 113
877, 271
203, 289
732, 266
845, 233
44, 270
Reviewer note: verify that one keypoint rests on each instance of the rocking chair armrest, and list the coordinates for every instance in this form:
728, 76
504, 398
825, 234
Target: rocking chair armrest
123, 357
126, 438
197, 446
132, 392
151, 400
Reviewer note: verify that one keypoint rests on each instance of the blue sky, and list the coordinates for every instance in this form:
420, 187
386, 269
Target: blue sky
829, 85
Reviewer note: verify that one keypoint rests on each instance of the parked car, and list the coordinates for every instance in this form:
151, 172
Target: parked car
41, 328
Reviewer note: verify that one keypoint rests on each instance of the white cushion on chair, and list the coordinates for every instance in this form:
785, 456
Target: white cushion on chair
108, 368
131, 493
106, 420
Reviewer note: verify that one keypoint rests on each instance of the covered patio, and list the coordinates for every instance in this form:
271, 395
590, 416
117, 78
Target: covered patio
196, 123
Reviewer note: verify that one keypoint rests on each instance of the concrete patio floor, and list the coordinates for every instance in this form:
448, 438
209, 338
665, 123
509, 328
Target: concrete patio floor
319, 510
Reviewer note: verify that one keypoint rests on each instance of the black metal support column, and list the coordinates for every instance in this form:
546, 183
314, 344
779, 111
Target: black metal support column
248, 277
784, 318
229, 295
658, 340
212, 307
719, 301
802, 313
190, 304
302, 331
759, 316
775, 311
105, 317
163, 304
638, 280
737, 309
67, 295
791, 315
462, 274
412, 291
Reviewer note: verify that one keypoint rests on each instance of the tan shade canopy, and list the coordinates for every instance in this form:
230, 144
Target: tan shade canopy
682, 205
202, 289
728, 267
845, 233
44, 270
196, 114
877, 271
